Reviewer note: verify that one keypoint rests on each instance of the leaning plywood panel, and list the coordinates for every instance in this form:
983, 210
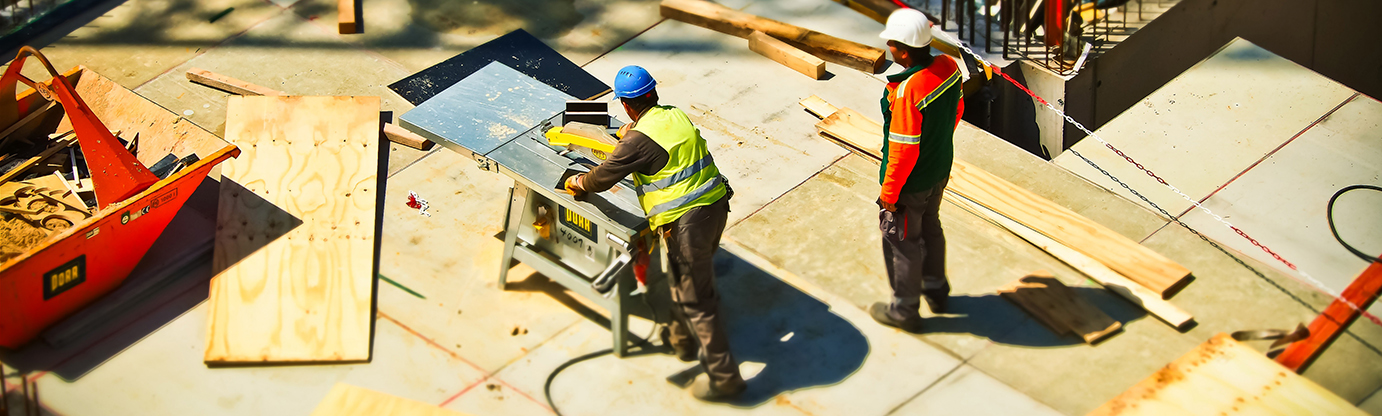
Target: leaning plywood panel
295, 231
348, 400
1225, 377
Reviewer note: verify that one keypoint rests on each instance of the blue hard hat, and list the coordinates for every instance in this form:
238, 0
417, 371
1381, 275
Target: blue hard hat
633, 81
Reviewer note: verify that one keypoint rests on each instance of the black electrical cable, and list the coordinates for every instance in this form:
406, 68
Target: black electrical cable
1329, 214
547, 387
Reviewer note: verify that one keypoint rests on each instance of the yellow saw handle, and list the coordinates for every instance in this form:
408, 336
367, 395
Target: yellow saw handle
556, 138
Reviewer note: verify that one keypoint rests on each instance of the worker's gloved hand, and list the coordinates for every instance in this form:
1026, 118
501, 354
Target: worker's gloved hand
624, 130
573, 187
887, 205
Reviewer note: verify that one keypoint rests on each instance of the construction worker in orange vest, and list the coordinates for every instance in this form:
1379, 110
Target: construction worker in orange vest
922, 106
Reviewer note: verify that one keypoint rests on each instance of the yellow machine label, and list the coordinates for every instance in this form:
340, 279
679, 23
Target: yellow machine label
575, 222
64, 277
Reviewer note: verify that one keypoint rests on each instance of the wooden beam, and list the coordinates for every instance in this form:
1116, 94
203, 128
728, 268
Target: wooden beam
726, 20
1114, 282
404, 137
818, 107
1059, 308
878, 10
297, 222
349, 19
1334, 320
1125, 256
227, 84
1223, 377
787, 55
393, 132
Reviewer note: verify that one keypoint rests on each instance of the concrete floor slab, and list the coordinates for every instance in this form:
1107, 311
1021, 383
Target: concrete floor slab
1372, 405
141, 39
1282, 201
163, 375
452, 259
969, 391
421, 33
1208, 124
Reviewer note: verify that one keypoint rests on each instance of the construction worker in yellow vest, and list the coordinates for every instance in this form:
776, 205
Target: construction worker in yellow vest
687, 200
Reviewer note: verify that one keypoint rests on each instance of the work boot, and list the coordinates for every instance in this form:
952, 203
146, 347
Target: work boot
882, 312
937, 302
703, 391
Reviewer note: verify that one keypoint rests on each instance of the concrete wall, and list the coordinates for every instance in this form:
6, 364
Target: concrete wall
1331, 37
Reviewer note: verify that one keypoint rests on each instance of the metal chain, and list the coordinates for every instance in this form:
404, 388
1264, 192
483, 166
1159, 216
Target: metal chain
1312, 281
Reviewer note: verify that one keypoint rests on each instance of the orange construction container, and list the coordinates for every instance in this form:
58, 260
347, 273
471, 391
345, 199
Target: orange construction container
73, 268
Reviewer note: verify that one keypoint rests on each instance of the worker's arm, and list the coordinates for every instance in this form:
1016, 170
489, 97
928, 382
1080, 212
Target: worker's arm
636, 152
904, 135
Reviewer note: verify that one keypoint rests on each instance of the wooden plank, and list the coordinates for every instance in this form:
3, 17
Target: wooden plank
878, 10
818, 107
787, 55
404, 137
1125, 256
1225, 377
348, 400
1059, 307
1334, 320
296, 231
1114, 282
733, 22
348, 16
227, 84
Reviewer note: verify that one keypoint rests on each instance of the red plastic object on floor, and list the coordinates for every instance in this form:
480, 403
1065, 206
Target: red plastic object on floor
76, 267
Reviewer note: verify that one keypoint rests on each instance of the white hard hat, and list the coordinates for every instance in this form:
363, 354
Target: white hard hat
908, 26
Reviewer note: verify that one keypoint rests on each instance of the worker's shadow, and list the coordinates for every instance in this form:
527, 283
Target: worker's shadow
990, 316
799, 341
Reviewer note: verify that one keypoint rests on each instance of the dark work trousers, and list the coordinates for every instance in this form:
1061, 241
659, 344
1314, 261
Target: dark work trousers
691, 245
916, 260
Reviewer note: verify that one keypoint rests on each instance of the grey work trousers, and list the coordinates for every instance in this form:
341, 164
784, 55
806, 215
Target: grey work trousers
916, 259
691, 245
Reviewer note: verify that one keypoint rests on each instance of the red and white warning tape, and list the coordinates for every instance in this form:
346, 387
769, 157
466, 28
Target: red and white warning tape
1309, 280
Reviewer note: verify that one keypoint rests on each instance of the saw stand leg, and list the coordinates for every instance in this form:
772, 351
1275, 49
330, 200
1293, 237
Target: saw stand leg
518, 199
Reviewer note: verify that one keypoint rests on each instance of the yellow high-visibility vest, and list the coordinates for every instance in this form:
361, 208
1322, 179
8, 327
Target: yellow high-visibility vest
690, 178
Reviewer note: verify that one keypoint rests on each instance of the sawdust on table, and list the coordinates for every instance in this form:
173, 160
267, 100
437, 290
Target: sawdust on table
17, 236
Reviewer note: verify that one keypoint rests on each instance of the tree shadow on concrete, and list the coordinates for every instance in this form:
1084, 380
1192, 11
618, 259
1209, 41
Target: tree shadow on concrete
990, 316
800, 342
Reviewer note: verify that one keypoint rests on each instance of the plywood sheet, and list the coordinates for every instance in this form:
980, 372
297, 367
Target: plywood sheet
348, 400
295, 231
1225, 377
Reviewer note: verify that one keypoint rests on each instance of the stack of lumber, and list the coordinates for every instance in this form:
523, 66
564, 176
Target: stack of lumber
392, 131
348, 400
1059, 308
1144, 277
296, 231
1225, 377
788, 44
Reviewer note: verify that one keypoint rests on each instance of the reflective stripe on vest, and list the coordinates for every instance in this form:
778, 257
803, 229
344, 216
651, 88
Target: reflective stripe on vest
681, 175
682, 200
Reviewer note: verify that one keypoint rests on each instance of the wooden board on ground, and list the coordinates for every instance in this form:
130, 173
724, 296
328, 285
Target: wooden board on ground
296, 231
787, 55
1225, 377
348, 400
1125, 256
348, 16
402, 136
227, 84
733, 22
818, 107
1059, 307
1114, 282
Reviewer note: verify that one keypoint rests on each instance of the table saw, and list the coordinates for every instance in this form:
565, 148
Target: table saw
497, 116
